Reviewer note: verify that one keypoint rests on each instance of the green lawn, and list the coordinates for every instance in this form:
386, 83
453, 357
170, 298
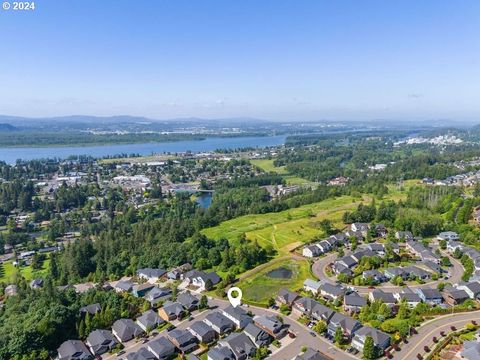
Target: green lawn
8, 271
267, 165
286, 229
258, 288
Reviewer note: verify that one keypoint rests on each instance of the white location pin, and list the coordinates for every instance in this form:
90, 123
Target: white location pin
237, 300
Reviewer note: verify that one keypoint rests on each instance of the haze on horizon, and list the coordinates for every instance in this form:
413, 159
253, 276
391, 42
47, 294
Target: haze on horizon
278, 60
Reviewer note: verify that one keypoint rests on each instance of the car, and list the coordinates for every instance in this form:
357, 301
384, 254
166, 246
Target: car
313, 334
371, 287
426, 348
144, 341
121, 352
453, 328
170, 327
191, 318
291, 335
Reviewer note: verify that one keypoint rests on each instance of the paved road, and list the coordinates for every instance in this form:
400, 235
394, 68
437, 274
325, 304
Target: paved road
432, 328
319, 266
288, 352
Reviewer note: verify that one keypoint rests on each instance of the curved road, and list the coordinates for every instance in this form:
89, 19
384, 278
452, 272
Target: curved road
319, 266
432, 328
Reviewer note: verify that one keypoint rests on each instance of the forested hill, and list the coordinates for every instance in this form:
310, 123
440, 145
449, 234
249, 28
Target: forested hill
7, 127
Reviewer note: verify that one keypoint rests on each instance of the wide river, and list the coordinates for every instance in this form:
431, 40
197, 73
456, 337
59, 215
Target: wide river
10, 155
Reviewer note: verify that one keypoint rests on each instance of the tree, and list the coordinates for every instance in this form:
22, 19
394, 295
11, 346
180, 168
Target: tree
320, 327
369, 350
338, 337
203, 304
208, 285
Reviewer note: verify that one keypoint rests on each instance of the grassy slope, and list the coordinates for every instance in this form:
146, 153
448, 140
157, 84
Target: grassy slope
7, 271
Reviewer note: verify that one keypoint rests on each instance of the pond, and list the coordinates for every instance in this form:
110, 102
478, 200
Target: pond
280, 273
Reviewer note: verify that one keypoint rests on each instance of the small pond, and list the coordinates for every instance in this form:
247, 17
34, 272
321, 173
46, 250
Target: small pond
280, 273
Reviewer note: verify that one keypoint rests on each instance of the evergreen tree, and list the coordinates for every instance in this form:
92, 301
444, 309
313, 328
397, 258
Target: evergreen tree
369, 350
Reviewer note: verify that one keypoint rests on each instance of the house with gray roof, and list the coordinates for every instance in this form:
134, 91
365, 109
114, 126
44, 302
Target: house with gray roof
375, 276
73, 350
183, 340
332, 291
311, 354
380, 339
91, 309
220, 353
219, 322
171, 311
352, 303
157, 295
448, 236
141, 354
454, 296
123, 286
258, 336
385, 297
322, 312
125, 330
271, 325
430, 296
162, 348
240, 344
311, 251
471, 350
286, 297
312, 285
151, 275
238, 315
101, 341
149, 320
203, 332
471, 288
189, 301
200, 278
407, 295
346, 323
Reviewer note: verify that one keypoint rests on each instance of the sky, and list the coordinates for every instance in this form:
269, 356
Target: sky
272, 59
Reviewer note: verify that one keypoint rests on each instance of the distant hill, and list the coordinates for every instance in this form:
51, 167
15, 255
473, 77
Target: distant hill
7, 128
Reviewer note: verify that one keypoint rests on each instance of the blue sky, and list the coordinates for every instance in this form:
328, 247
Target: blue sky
273, 59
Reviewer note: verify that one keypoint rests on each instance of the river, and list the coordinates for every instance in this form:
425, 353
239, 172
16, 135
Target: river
10, 155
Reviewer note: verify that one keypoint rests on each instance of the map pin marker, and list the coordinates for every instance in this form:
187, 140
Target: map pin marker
237, 300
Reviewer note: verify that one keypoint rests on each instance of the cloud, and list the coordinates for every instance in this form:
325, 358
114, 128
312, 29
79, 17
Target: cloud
414, 96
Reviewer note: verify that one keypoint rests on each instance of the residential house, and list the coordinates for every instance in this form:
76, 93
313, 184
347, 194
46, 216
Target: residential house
430, 296
339, 268
471, 349
347, 261
204, 333
312, 285
149, 320
448, 236
378, 249
325, 245
140, 290
239, 316
91, 309
171, 311
321, 312
151, 275
385, 297
101, 341
453, 296
11, 290
362, 253
123, 286
183, 340
162, 348
311, 251
286, 297
346, 323
393, 272
352, 303
125, 330
36, 284
240, 344
141, 354
220, 353
381, 230
407, 295
258, 336
157, 295
219, 322
404, 235
73, 350
376, 276
177, 273
471, 288
271, 325
200, 279
360, 227
380, 339
311, 354
454, 245
332, 292
188, 301
434, 267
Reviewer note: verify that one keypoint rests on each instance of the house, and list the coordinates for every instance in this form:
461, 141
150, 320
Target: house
177, 273
332, 292
157, 295
434, 267
346, 323
362, 253
375, 276
339, 238
140, 290
204, 333
171, 311
303, 306
347, 261
271, 325
430, 296
416, 272
101, 341
151, 275
149, 320
380, 339
311, 354
240, 344
200, 279
91, 309
258, 336
342, 269
220, 353
325, 245
352, 303
239, 316
378, 249
453, 296
73, 350
286, 297
448, 236
11, 290
312, 285
123, 286
162, 348
471, 288
125, 330
454, 245
311, 251
360, 227
404, 235
393, 272
381, 230
220, 323
321, 312
407, 295
141, 354
188, 301
183, 340
385, 297
471, 350
354, 234
36, 284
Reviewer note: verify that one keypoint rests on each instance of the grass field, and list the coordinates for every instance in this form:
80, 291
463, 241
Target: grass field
286, 229
267, 165
8, 271
259, 287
